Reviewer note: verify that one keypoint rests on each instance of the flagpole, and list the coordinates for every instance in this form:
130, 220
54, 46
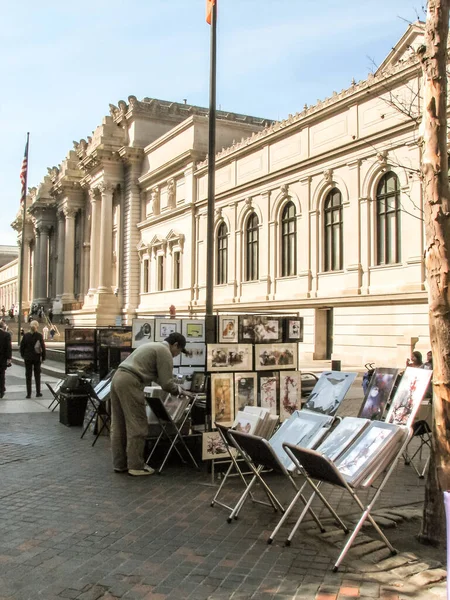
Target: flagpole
22, 242
211, 166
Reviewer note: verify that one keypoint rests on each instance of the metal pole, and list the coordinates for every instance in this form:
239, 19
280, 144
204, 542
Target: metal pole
22, 243
211, 168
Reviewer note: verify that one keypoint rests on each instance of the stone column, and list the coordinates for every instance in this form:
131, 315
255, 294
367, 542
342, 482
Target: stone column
69, 253
105, 258
26, 273
43, 292
36, 265
60, 255
93, 270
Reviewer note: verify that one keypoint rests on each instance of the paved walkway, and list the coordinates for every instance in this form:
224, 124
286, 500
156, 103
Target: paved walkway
71, 528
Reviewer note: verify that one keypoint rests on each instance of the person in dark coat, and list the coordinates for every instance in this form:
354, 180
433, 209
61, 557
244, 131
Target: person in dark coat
5, 356
32, 350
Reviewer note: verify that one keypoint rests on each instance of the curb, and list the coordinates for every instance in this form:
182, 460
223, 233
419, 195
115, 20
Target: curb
46, 370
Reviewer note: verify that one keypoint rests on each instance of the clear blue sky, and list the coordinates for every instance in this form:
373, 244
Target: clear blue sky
64, 62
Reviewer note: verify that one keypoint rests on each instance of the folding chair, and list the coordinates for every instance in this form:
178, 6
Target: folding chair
421, 430
234, 456
171, 429
55, 392
100, 415
317, 467
259, 455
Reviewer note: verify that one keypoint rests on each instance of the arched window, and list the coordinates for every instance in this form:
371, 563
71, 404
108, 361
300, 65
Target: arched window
388, 220
222, 255
288, 241
252, 250
333, 231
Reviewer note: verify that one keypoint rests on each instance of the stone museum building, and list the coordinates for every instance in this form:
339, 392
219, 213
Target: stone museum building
319, 214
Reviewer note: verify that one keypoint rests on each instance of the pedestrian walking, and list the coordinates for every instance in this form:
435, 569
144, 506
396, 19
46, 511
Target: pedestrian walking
50, 315
32, 350
5, 356
45, 333
129, 425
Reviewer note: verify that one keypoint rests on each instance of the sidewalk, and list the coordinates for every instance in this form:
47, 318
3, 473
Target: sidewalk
72, 528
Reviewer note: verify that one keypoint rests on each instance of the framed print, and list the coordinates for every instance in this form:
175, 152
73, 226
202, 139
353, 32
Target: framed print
78, 335
143, 331
164, 327
80, 352
293, 330
222, 398
342, 437
329, 392
268, 392
290, 393
245, 390
198, 382
276, 356
356, 463
183, 371
408, 396
196, 356
246, 422
193, 330
378, 394
260, 329
233, 357
115, 337
213, 446
228, 329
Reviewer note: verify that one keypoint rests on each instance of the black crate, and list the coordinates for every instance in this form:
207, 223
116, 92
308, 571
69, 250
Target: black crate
72, 408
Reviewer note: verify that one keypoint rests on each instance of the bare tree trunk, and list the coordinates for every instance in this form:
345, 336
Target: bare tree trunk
434, 167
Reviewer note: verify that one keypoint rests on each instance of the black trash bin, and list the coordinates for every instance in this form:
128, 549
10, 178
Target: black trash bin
335, 365
72, 407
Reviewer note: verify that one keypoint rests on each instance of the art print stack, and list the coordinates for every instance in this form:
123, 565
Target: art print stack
255, 421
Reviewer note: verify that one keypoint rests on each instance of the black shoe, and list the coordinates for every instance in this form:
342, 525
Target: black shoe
1, 395
27, 396
38, 395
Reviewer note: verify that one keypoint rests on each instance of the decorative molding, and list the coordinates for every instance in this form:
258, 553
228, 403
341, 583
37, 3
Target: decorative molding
155, 200
328, 176
171, 191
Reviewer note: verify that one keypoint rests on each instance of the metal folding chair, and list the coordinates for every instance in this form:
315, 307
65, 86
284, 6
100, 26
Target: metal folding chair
259, 455
234, 456
100, 416
317, 467
171, 429
55, 392
421, 431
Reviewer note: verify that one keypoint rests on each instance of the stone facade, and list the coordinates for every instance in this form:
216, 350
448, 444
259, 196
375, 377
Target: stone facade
320, 214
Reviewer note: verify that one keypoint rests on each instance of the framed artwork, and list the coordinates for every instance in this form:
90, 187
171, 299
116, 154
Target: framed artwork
268, 392
245, 390
80, 352
143, 331
408, 396
183, 371
378, 394
233, 357
222, 398
164, 327
246, 422
301, 429
290, 393
213, 446
196, 356
276, 356
228, 329
293, 330
260, 329
329, 391
342, 437
78, 335
198, 382
80, 366
365, 452
193, 330
115, 337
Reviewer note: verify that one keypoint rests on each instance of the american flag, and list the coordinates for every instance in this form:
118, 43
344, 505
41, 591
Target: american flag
23, 174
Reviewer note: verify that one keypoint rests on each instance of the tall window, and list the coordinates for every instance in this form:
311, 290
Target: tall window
145, 265
388, 220
252, 232
333, 231
176, 270
160, 272
288, 241
222, 255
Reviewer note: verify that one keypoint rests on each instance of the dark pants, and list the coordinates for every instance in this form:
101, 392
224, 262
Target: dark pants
2, 379
31, 365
